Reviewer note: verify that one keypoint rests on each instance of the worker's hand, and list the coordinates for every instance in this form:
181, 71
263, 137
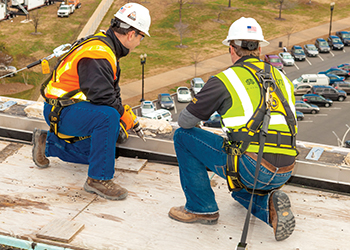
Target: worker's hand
123, 135
127, 119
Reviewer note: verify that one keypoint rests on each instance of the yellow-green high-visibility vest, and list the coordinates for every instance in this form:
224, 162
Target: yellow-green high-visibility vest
246, 96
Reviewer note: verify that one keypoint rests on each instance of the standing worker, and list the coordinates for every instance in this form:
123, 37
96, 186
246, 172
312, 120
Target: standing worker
83, 105
238, 94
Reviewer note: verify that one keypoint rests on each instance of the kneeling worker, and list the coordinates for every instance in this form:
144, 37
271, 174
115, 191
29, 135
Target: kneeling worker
239, 94
83, 102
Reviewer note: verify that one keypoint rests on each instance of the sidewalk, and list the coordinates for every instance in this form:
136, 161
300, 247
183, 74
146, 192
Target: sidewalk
221, 62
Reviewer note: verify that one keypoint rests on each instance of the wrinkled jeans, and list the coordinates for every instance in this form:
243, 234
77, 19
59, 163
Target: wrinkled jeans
84, 119
197, 149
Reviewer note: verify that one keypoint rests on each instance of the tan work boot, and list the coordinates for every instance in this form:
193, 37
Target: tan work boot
38, 151
180, 214
281, 217
106, 189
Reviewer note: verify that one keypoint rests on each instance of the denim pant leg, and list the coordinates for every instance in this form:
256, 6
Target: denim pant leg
267, 180
83, 119
197, 149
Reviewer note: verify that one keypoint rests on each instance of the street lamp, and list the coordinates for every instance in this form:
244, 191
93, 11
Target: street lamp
143, 62
330, 22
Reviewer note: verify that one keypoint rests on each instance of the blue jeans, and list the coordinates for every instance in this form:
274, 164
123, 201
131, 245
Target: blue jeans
86, 119
197, 149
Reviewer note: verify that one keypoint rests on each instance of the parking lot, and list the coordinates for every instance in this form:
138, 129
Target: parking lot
329, 122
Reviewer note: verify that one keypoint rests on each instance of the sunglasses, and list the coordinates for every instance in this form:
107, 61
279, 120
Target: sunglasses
138, 33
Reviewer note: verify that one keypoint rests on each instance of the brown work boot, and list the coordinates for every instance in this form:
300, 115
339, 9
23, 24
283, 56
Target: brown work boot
38, 151
106, 189
180, 214
281, 217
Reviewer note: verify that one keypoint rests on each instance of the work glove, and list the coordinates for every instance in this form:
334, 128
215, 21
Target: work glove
127, 119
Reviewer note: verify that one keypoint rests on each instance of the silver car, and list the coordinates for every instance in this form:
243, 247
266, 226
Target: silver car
310, 50
286, 58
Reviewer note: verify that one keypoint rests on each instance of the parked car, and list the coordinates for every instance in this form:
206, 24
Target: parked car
302, 89
160, 114
298, 53
274, 60
329, 92
336, 71
306, 107
322, 45
334, 78
4, 70
310, 50
344, 66
335, 42
300, 115
197, 84
165, 101
317, 100
147, 107
183, 94
345, 86
286, 58
344, 37
214, 121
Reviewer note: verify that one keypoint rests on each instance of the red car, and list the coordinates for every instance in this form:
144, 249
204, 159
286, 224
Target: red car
274, 60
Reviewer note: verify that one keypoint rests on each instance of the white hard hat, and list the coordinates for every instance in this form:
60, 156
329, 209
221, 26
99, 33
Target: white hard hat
136, 16
245, 29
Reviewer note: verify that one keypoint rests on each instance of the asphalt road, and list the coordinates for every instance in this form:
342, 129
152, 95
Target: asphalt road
321, 127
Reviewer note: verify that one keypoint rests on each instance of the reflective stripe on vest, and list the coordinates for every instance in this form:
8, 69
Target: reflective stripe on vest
66, 77
246, 95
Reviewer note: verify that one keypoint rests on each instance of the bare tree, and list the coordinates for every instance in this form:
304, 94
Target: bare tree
35, 20
229, 3
181, 4
281, 2
290, 30
182, 29
195, 58
25, 78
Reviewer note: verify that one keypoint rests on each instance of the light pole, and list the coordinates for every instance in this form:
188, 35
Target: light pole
330, 22
143, 62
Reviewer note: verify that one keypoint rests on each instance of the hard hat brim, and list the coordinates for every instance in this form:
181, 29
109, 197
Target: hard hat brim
262, 43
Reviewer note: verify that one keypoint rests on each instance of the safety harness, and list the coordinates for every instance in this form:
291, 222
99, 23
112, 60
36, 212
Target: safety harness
67, 100
239, 139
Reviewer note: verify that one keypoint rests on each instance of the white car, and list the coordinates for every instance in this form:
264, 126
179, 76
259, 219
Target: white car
286, 58
183, 94
197, 84
147, 107
160, 114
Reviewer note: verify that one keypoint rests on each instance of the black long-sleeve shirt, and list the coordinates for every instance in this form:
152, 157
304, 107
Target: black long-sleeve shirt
96, 77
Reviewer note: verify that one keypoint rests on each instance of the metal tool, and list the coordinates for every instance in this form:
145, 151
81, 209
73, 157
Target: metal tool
59, 51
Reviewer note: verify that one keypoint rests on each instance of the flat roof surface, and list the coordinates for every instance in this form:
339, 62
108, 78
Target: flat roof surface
32, 198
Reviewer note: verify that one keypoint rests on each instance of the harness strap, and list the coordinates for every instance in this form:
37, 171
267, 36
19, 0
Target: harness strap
67, 100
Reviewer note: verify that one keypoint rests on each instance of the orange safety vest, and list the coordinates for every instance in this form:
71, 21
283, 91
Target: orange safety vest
65, 78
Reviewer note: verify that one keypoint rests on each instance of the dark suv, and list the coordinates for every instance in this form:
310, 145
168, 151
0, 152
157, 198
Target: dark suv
344, 37
298, 53
317, 100
345, 86
329, 92
322, 45
335, 42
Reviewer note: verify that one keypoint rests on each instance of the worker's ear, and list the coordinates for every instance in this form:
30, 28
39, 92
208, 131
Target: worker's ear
131, 34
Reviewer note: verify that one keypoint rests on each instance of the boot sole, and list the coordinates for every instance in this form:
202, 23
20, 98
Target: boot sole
202, 221
35, 138
285, 217
92, 190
